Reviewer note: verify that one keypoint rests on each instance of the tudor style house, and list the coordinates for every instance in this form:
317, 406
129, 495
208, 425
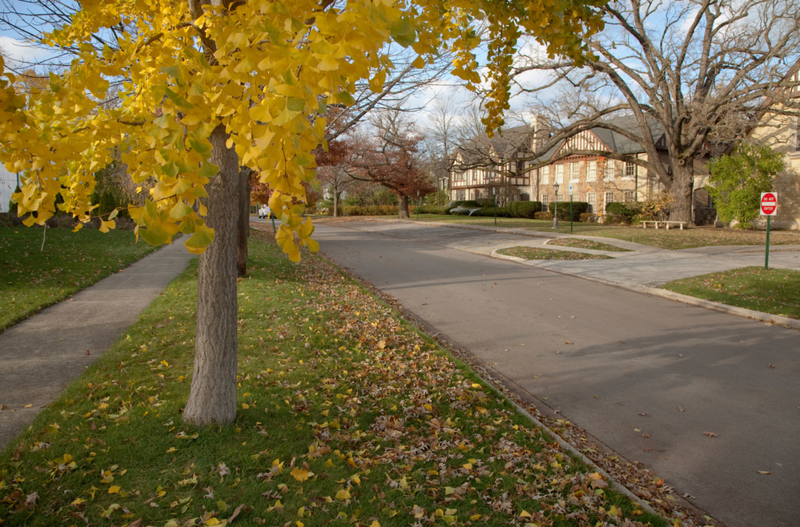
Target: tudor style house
595, 179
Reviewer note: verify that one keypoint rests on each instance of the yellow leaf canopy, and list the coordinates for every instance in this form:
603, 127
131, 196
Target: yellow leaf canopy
263, 69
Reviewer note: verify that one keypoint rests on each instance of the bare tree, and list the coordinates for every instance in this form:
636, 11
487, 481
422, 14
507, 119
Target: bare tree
392, 158
691, 74
440, 138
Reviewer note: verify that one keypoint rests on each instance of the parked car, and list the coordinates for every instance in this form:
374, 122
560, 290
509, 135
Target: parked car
264, 211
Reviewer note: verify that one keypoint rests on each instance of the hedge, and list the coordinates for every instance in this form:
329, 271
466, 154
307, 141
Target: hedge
524, 209
433, 209
627, 210
578, 208
370, 210
502, 212
470, 204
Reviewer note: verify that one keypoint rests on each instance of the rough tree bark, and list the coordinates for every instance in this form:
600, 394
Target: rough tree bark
680, 191
402, 206
212, 399
243, 225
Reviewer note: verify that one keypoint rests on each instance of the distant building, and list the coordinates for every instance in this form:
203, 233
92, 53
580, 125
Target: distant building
594, 178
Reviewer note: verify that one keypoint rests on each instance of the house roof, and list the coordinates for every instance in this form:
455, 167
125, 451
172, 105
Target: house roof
502, 147
498, 148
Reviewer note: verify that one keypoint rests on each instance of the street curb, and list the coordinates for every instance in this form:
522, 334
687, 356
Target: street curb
790, 323
564, 444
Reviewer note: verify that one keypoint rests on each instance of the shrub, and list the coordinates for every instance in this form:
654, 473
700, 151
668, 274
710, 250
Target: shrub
543, 215
502, 212
737, 181
524, 209
578, 208
434, 209
470, 204
626, 210
107, 203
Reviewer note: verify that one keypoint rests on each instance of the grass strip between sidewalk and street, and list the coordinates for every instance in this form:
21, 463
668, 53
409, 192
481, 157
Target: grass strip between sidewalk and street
347, 415
774, 291
587, 244
537, 253
32, 278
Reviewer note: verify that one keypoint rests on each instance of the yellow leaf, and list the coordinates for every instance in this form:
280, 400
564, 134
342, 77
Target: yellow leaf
300, 474
114, 489
343, 494
525, 514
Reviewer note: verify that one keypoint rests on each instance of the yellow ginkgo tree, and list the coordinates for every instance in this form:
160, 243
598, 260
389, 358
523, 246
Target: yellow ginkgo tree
193, 90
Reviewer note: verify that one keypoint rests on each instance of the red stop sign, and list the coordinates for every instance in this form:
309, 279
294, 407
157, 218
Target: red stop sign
769, 203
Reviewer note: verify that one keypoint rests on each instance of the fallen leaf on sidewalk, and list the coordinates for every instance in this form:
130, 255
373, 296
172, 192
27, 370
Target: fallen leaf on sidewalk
764, 472
680, 408
710, 434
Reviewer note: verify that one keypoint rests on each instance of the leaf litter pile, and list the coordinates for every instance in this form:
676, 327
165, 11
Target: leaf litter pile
348, 415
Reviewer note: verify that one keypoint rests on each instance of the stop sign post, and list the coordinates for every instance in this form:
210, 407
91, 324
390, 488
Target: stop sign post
769, 208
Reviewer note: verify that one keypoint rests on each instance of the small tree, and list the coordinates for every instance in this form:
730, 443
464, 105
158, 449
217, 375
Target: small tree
737, 181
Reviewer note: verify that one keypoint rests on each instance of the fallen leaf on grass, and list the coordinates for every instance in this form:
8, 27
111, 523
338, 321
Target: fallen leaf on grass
300, 474
236, 513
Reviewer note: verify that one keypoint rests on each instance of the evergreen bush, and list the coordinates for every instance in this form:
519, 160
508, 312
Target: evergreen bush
578, 208
524, 209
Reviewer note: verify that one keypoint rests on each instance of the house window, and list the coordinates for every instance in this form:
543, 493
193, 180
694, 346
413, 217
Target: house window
560, 173
609, 175
545, 201
628, 196
591, 199
574, 171
524, 197
609, 198
545, 172
591, 174
630, 169
461, 195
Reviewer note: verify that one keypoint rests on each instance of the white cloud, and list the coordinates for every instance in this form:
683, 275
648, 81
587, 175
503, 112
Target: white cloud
16, 50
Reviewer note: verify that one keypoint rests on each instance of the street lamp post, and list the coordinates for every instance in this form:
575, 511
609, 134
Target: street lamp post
555, 209
494, 204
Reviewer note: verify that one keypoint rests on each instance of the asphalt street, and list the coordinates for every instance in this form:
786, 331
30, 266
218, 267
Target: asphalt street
709, 401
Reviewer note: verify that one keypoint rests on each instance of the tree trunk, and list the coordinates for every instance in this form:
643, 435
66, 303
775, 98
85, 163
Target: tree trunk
243, 226
402, 206
212, 399
335, 203
681, 193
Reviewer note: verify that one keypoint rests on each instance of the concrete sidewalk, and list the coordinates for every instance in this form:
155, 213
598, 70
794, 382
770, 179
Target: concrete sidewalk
44, 353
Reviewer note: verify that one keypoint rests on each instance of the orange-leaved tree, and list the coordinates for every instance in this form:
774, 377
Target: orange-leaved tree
204, 87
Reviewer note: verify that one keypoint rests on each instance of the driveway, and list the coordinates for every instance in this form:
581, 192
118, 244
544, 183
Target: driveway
707, 400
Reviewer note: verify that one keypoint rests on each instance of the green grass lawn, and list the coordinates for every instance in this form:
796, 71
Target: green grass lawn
665, 239
32, 279
537, 253
587, 244
347, 416
775, 291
